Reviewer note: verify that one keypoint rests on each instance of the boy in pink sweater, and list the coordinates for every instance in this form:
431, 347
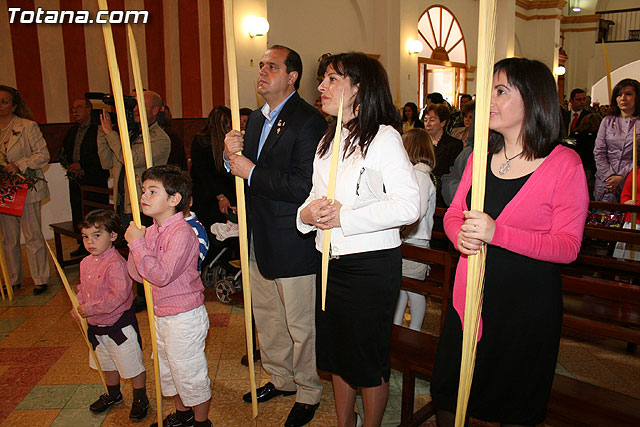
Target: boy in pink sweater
105, 295
166, 255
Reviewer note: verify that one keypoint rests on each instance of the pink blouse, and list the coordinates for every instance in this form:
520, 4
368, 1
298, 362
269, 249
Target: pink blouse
544, 221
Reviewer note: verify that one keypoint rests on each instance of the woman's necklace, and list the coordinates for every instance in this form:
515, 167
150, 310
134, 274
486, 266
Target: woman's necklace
506, 166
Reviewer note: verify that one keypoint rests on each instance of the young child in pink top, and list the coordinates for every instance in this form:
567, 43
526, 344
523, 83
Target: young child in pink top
166, 255
105, 295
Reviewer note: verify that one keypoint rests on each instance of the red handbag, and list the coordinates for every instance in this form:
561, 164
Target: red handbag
13, 194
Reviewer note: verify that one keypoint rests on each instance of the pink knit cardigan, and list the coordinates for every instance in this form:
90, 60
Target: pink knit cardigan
544, 220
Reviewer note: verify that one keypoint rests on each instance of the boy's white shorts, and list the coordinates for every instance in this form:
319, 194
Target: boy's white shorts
125, 358
183, 364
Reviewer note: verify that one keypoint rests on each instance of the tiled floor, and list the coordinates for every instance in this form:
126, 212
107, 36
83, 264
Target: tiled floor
45, 378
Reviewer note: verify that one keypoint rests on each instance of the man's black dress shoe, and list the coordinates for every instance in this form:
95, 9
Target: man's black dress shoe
301, 414
39, 289
267, 392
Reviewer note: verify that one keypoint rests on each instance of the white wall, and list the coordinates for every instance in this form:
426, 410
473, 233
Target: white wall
538, 39
580, 63
616, 4
249, 50
619, 54
600, 90
312, 29
380, 27
56, 208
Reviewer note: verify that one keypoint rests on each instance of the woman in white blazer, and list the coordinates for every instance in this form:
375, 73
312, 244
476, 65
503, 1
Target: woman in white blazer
376, 194
23, 147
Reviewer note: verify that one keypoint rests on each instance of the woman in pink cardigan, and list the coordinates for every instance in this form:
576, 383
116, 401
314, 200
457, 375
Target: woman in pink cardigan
535, 209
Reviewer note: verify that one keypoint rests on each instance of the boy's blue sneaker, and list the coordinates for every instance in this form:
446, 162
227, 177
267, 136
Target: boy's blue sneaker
105, 402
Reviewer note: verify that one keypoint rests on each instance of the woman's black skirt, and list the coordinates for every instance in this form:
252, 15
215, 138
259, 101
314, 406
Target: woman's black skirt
354, 333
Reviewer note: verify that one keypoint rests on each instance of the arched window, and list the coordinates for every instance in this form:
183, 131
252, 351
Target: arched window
441, 33
443, 61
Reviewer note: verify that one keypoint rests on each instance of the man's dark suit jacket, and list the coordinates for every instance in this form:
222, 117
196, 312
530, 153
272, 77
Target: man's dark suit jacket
89, 160
568, 118
280, 183
94, 175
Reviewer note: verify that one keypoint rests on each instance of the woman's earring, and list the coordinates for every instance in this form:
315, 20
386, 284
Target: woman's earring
358, 107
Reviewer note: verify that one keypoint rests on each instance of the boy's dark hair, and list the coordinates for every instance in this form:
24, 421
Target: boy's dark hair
102, 218
174, 180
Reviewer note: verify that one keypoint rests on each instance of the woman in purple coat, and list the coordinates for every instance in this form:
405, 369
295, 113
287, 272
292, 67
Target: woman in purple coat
614, 145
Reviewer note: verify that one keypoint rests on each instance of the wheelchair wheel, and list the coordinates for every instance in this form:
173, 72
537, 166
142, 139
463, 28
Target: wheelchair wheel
224, 289
210, 275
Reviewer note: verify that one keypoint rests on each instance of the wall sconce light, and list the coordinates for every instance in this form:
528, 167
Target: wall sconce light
560, 70
414, 47
258, 26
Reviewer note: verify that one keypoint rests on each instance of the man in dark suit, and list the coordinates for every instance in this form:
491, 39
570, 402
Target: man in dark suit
278, 149
80, 157
573, 117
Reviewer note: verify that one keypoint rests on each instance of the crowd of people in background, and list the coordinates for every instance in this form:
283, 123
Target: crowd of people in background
397, 165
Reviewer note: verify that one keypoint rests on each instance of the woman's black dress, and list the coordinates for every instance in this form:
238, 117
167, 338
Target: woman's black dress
522, 319
208, 182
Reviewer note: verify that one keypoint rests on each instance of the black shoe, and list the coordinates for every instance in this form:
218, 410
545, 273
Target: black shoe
244, 361
267, 392
139, 409
301, 414
40, 289
81, 251
172, 420
105, 402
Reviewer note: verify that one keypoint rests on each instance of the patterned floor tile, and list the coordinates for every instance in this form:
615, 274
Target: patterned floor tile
84, 395
562, 371
218, 320
32, 418
48, 397
8, 325
237, 309
13, 311
23, 376
20, 340
229, 391
78, 417
232, 415
65, 373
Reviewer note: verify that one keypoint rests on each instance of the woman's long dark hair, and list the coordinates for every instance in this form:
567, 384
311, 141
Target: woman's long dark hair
614, 110
372, 106
542, 126
218, 124
414, 109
